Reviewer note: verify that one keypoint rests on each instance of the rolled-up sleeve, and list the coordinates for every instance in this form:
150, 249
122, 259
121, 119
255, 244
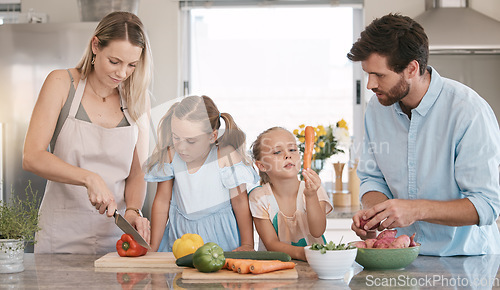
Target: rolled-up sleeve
477, 165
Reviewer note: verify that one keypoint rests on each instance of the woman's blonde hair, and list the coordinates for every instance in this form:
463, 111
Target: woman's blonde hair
256, 150
196, 109
125, 26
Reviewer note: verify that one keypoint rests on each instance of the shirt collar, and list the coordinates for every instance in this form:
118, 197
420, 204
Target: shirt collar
430, 96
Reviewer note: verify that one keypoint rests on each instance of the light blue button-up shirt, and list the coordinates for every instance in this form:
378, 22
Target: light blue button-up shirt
449, 149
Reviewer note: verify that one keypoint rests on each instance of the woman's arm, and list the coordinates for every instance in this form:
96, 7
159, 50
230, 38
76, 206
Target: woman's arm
135, 192
38, 160
243, 217
159, 212
268, 235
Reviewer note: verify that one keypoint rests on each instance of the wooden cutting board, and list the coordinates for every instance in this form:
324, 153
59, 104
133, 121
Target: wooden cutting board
193, 274
150, 260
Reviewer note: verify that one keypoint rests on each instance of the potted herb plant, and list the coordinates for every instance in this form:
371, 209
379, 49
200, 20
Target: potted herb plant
18, 225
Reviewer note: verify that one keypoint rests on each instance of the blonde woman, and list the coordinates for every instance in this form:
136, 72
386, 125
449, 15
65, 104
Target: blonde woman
89, 119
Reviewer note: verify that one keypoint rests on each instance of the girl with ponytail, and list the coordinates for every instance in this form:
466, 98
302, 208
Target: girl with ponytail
201, 174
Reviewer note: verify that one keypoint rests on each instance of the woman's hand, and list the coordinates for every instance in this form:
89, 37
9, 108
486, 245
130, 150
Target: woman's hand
141, 224
312, 182
100, 196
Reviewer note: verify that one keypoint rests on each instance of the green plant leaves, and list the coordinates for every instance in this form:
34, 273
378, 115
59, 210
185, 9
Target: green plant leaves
19, 217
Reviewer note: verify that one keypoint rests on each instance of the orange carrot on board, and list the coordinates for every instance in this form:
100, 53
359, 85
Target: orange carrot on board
241, 262
226, 263
230, 263
309, 146
243, 267
260, 268
236, 264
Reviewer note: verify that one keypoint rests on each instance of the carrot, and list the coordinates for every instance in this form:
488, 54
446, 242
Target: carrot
309, 146
229, 264
236, 264
225, 263
239, 262
260, 268
243, 267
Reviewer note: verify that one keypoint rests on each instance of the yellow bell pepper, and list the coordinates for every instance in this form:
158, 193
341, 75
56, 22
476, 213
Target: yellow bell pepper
186, 245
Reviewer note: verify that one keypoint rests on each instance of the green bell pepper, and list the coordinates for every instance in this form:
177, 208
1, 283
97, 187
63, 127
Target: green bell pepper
209, 258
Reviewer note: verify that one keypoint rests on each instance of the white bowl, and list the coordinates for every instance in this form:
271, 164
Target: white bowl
332, 264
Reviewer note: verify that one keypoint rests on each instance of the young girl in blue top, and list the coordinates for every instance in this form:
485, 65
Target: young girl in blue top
201, 178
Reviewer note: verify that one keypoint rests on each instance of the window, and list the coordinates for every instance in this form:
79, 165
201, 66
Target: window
274, 66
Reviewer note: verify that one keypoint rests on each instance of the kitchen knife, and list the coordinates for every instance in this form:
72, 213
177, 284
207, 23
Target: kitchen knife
127, 228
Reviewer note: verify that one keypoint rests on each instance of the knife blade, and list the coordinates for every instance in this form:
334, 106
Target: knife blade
127, 228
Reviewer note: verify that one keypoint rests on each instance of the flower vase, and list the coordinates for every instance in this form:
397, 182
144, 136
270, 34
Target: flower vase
317, 165
339, 167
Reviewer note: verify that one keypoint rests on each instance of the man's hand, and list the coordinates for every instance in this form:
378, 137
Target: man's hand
392, 213
356, 226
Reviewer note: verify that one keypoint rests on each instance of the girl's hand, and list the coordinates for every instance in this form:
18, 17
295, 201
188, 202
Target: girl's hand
244, 248
312, 182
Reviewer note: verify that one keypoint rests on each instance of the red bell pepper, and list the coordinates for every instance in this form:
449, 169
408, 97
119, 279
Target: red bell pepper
128, 247
128, 280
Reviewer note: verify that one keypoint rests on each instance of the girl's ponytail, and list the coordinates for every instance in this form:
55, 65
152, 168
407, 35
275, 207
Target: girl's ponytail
196, 109
233, 136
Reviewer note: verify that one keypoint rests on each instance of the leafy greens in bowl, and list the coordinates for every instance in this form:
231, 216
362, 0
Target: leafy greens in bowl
330, 261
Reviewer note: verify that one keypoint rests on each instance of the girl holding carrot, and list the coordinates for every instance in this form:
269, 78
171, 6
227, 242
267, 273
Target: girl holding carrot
201, 177
289, 214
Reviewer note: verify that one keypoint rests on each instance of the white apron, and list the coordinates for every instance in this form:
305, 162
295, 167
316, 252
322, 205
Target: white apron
69, 223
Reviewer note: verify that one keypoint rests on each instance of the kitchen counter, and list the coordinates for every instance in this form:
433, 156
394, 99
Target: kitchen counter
59, 271
343, 212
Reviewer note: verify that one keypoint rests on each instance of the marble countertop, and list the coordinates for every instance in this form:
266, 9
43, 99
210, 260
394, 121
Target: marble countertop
65, 271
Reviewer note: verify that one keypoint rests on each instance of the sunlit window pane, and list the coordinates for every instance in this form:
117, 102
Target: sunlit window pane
274, 66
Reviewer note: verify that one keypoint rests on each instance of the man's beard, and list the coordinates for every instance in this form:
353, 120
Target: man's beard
395, 94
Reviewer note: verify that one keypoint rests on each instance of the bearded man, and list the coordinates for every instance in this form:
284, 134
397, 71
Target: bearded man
431, 150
